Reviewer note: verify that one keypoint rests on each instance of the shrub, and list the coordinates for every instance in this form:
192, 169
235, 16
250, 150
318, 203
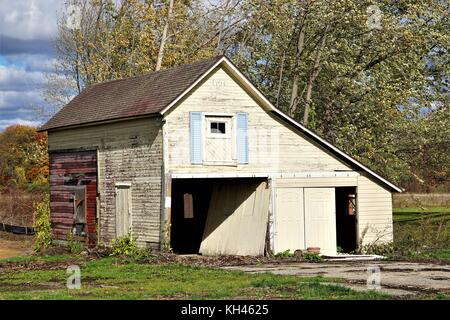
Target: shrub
381, 249
312, 257
74, 245
284, 254
124, 246
42, 224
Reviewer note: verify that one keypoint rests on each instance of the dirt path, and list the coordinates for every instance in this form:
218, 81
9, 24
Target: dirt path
14, 245
398, 278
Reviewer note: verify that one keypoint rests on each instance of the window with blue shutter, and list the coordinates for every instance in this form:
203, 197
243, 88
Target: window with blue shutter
196, 137
242, 137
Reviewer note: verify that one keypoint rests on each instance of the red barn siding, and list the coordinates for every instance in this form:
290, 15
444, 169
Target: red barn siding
68, 169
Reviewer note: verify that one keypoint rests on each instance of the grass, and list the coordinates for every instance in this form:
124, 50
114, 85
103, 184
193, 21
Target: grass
415, 213
111, 278
422, 234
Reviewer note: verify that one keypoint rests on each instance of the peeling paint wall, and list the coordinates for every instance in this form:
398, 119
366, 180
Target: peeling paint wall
128, 151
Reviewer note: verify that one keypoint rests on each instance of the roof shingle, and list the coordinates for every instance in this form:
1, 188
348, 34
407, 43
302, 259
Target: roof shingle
141, 95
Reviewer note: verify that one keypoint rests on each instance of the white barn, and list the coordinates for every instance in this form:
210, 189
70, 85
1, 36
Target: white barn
195, 158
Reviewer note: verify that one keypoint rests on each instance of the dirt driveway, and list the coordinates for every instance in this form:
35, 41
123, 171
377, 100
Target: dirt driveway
398, 278
14, 245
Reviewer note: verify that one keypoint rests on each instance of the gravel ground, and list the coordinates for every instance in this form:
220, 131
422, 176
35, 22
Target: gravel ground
398, 278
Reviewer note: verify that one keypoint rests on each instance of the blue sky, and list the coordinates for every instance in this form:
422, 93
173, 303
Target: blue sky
27, 30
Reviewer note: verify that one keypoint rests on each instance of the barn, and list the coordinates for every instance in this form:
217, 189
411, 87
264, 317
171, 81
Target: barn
196, 159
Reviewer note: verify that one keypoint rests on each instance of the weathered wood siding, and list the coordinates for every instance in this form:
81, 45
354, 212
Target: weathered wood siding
273, 145
374, 207
66, 171
128, 151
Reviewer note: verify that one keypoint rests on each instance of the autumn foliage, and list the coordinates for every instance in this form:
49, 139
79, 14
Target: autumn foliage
23, 158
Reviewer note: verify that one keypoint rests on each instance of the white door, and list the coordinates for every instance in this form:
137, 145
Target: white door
123, 210
320, 219
289, 219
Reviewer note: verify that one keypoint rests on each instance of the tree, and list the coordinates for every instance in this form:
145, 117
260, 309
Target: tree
352, 72
23, 157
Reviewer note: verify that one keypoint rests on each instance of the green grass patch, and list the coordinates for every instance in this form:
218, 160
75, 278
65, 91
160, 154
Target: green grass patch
422, 233
438, 254
43, 258
413, 214
111, 278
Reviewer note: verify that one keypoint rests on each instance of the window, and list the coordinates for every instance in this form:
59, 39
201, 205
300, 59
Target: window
218, 127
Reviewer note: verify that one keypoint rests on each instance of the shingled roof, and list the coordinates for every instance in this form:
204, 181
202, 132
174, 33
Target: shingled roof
136, 96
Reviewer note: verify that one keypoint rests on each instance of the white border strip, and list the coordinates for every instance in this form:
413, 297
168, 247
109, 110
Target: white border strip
326, 174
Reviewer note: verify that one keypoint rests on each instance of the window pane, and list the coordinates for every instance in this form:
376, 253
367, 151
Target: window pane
221, 127
218, 127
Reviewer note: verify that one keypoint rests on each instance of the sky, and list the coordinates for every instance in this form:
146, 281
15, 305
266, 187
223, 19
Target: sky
27, 30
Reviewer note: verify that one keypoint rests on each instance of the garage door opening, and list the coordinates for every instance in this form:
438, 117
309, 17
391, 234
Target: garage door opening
219, 216
346, 219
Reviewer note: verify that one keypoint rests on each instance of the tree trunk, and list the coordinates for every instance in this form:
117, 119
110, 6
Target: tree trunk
294, 93
280, 78
312, 77
164, 37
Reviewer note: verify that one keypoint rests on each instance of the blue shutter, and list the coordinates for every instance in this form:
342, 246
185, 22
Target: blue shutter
242, 137
196, 137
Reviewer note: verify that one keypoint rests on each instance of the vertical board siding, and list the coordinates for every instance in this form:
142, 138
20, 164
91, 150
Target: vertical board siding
68, 170
127, 151
196, 137
374, 207
242, 137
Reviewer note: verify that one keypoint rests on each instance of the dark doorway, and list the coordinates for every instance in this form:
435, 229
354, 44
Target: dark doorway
346, 218
191, 200
186, 232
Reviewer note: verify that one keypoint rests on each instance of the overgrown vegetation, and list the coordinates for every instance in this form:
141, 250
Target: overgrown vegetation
124, 246
425, 237
42, 225
312, 257
417, 235
73, 245
284, 254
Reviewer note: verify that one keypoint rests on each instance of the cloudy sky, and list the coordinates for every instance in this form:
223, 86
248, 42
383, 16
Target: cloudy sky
27, 30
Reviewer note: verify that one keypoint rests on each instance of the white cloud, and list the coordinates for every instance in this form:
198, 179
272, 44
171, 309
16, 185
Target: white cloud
13, 78
29, 19
33, 62
16, 100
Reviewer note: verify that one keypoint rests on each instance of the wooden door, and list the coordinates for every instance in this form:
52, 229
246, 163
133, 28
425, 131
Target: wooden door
289, 219
123, 210
320, 219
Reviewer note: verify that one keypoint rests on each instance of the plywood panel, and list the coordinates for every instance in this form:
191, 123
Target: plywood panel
237, 219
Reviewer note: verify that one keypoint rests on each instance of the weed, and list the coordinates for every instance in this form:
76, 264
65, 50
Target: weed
312, 257
284, 254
